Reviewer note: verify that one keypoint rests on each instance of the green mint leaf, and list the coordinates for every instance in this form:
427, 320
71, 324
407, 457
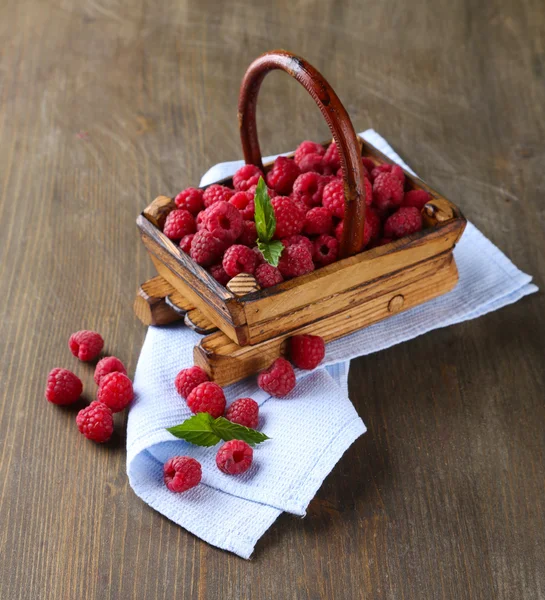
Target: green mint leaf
233, 431
198, 430
265, 222
271, 251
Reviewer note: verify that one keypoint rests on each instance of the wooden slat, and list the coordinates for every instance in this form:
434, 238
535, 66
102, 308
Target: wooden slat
199, 322
150, 305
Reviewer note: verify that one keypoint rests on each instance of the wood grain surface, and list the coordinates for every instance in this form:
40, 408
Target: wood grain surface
104, 104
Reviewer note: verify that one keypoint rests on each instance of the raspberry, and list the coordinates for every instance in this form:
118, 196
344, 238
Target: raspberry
270, 191
199, 221
248, 237
96, 422
403, 222
368, 164
371, 229
224, 221
190, 199
416, 198
368, 192
63, 387
219, 274
312, 163
107, 365
332, 158
318, 220
307, 147
188, 379
306, 351
207, 397
206, 249
308, 188
266, 275
185, 242
290, 217
259, 257
244, 201
282, 175
326, 250
179, 222
394, 170
333, 198
246, 177
278, 380
115, 391
387, 191
295, 260
86, 345
216, 193
239, 259
234, 457
243, 411
181, 473
295, 240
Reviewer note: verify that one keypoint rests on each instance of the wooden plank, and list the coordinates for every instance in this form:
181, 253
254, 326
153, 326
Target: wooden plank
158, 211
150, 305
199, 322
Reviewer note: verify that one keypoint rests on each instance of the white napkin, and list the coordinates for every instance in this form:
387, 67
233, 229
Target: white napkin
311, 428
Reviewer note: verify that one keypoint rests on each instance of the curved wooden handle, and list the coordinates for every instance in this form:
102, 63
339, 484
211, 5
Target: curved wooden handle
339, 123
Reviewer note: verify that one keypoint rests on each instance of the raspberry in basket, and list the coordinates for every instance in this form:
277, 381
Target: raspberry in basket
215, 193
278, 380
248, 237
86, 345
416, 198
219, 274
371, 229
295, 260
234, 457
403, 222
244, 201
259, 257
224, 221
318, 220
307, 147
308, 188
246, 177
96, 422
239, 259
333, 198
178, 223
206, 249
325, 250
244, 411
190, 199
107, 365
188, 379
270, 191
306, 351
207, 397
63, 387
181, 473
290, 217
295, 240
266, 275
332, 158
368, 164
282, 175
186, 241
394, 170
387, 191
115, 391
312, 163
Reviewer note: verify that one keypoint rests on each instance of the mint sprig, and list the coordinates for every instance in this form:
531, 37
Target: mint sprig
265, 224
203, 430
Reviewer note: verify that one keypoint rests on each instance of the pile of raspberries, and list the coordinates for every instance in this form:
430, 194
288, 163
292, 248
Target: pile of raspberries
216, 226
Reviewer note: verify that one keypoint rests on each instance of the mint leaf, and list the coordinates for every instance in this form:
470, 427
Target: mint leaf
271, 251
265, 222
233, 431
197, 429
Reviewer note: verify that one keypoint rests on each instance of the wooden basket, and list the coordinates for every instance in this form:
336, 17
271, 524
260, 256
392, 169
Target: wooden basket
246, 328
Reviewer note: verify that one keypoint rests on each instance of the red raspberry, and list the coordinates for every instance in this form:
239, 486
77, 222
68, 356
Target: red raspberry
188, 379
306, 351
318, 220
266, 275
115, 390
387, 191
403, 222
96, 422
259, 257
368, 192
234, 457
243, 411
248, 237
312, 163
371, 229
186, 241
179, 222
295, 260
219, 274
239, 259
278, 380
246, 177
282, 175
325, 251
416, 198
207, 397
295, 240
332, 158
270, 191
216, 193
290, 217
86, 345
206, 249
224, 221
181, 473
307, 147
394, 170
369, 164
199, 221
308, 188
244, 201
107, 365
63, 387
190, 199
333, 198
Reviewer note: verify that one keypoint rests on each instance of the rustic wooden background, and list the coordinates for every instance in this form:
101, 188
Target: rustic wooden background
105, 104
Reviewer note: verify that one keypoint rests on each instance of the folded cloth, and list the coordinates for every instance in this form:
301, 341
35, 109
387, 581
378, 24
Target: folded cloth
234, 512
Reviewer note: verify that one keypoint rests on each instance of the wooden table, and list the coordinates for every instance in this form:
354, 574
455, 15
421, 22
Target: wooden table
105, 104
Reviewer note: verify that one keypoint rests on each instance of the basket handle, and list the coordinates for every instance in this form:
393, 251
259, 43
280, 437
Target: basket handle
339, 123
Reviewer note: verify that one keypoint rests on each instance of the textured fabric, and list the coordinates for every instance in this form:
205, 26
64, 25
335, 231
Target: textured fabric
234, 512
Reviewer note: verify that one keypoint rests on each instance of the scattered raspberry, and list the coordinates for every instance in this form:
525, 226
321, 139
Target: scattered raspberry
387, 191
248, 237
416, 198
63, 387
306, 351
243, 411
239, 259
312, 163
186, 241
244, 201
107, 365
295, 260
216, 193
332, 158
86, 345
368, 164
96, 422
403, 222
246, 177
318, 220
188, 379
308, 188
207, 397
115, 391
181, 473
282, 175
206, 249
307, 147
290, 218
179, 222
219, 274
234, 457
266, 275
224, 221
278, 380
325, 250
333, 198
190, 199
295, 240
